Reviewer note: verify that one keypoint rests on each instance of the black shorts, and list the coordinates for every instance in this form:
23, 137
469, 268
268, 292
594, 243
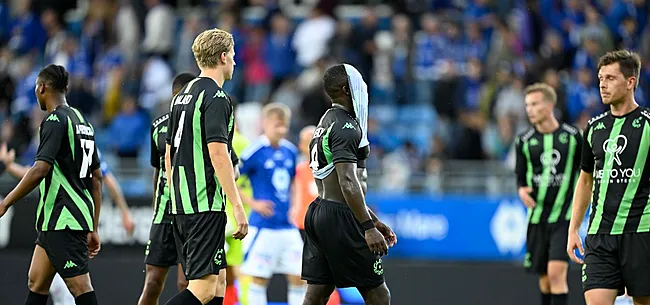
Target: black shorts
617, 262
161, 247
545, 242
335, 251
200, 239
67, 251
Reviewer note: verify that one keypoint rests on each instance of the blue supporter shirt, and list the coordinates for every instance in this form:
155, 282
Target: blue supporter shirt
102, 164
271, 171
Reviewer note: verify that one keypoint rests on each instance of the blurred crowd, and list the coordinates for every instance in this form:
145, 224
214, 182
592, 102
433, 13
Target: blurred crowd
445, 76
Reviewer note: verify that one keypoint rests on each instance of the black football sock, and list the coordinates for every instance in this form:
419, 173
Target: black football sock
184, 298
559, 299
216, 301
34, 298
546, 299
88, 298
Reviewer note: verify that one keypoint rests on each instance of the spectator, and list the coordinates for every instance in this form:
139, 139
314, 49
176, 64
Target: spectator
278, 52
129, 129
257, 73
27, 33
159, 29
311, 37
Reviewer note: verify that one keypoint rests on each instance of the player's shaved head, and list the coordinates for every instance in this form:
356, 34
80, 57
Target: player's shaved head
335, 80
180, 81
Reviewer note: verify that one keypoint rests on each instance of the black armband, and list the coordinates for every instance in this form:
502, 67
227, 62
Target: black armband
368, 224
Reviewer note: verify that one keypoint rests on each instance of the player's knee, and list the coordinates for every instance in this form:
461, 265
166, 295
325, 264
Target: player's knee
204, 288
37, 285
154, 282
181, 284
79, 285
556, 278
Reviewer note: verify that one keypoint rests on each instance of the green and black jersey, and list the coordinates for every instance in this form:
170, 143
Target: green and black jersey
336, 139
616, 152
162, 208
67, 142
549, 164
201, 113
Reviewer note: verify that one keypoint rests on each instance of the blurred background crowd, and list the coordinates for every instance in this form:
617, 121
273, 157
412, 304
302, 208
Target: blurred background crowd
445, 76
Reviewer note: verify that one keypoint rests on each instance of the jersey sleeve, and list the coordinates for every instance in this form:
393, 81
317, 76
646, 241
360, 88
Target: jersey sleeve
53, 130
217, 112
154, 159
96, 162
362, 156
247, 163
579, 144
587, 155
344, 144
520, 163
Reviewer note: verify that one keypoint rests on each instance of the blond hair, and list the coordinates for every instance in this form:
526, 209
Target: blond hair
209, 45
279, 109
547, 91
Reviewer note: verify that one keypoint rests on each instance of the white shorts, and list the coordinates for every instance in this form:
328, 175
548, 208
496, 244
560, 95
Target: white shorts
272, 251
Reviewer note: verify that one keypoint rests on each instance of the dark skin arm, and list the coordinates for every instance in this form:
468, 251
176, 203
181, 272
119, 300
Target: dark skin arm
156, 172
32, 178
94, 244
391, 238
354, 196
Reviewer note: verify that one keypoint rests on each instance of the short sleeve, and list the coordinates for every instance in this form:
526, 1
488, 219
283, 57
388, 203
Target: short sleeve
344, 143
155, 156
216, 114
587, 159
362, 156
520, 163
247, 162
96, 162
579, 146
53, 130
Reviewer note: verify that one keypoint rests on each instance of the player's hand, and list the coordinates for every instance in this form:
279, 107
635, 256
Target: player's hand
524, 195
376, 242
3, 208
242, 223
7, 157
94, 245
127, 223
264, 207
387, 232
575, 242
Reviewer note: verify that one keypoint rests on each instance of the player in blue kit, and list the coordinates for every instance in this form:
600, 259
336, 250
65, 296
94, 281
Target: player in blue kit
274, 245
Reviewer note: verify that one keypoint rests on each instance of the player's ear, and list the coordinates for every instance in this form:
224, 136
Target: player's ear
346, 89
223, 57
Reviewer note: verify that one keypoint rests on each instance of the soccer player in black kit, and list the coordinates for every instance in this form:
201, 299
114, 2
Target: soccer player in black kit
615, 168
68, 170
200, 172
161, 252
344, 240
548, 163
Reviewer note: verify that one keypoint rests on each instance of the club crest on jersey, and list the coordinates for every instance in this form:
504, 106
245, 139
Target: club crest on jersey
614, 147
636, 123
533, 142
564, 138
551, 159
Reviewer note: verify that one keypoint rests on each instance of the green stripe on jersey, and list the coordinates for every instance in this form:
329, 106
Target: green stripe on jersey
155, 137
644, 222
170, 184
81, 118
76, 198
66, 220
604, 180
161, 200
543, 184
566, 182
633, 184
326, 145
197, 154
39, 209
71, 136
49, 202
185, 191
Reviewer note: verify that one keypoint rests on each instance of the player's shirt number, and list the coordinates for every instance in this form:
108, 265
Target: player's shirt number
179, 131
314, 158
87, 149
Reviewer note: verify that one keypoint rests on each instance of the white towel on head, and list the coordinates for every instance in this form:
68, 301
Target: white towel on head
359, 91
